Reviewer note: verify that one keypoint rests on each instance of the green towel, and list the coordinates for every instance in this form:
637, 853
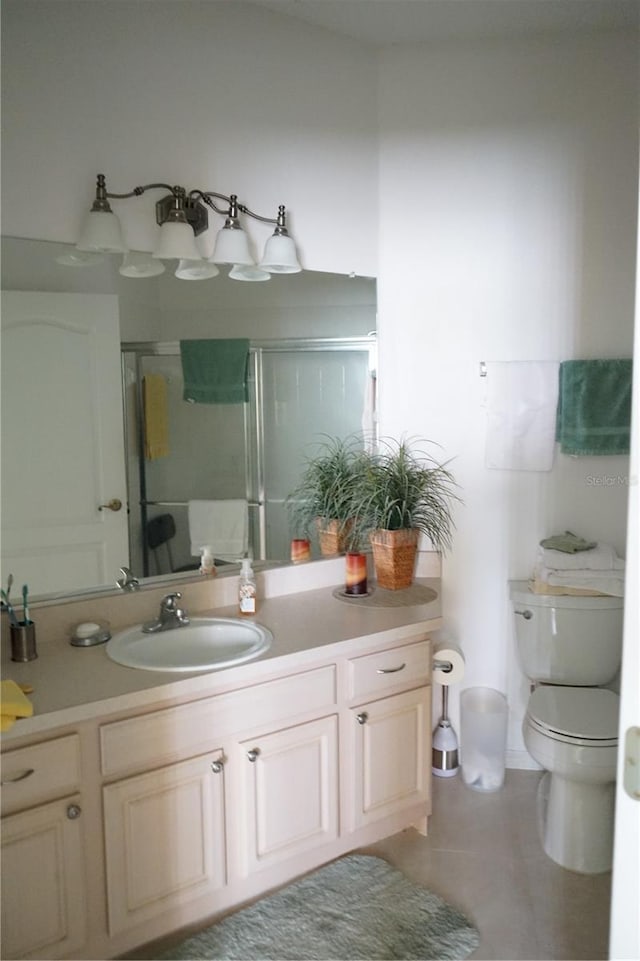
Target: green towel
568, 543
594, 407
215, 371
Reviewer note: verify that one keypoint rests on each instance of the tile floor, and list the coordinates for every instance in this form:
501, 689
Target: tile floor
482, 854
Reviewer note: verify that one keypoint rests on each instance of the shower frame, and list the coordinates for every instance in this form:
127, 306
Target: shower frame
253, 416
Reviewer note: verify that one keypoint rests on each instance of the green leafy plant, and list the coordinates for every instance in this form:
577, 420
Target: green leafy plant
324, 495
400, 487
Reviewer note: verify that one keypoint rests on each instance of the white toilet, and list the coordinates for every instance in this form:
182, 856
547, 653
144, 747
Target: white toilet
568, 647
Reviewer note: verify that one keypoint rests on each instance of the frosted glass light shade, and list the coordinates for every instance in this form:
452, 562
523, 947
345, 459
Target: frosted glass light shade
176, 241
280, 255
102, 233
137, 264
196, 270
79, 258
232, 247
248, 272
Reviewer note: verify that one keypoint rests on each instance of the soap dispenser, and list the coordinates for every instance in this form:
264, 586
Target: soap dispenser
247, 588
207, 561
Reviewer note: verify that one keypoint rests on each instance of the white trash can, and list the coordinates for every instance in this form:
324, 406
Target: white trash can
483, 737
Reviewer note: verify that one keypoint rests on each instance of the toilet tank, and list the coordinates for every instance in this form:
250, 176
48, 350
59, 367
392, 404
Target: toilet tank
564, 639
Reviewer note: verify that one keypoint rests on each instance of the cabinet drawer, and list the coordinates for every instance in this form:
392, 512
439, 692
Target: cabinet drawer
381, 672
190, 729
41, 772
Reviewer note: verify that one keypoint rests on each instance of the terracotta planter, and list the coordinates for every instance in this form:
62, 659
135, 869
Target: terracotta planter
394, 557
333, 536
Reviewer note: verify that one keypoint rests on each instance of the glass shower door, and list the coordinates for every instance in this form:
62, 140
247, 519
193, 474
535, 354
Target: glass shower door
307, 395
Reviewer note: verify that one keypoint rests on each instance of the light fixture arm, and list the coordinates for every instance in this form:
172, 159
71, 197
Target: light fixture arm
235, 207
138, 191
178, 199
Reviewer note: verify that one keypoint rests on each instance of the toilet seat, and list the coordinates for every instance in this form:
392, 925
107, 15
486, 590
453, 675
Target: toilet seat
583, 716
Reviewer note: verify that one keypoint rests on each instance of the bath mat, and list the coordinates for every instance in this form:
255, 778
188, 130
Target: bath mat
358, 907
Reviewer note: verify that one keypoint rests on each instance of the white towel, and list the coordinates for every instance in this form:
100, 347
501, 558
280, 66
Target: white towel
522, 397
607, 582
601, 558
221, 525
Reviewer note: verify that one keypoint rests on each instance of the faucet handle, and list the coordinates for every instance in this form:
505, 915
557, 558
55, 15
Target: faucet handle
128, 581
170, 602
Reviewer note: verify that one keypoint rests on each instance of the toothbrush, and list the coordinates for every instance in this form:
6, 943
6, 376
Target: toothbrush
9, 607
25, 603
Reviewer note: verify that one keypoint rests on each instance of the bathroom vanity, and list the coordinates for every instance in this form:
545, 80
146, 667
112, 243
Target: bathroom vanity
137, 803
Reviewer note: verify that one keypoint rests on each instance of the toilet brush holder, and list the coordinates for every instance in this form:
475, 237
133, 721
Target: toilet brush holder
444, 754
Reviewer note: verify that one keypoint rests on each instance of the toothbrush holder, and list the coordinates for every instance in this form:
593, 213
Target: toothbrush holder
23, 641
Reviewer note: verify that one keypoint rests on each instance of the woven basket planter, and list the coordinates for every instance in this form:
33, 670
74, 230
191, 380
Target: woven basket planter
333, 537
394, 557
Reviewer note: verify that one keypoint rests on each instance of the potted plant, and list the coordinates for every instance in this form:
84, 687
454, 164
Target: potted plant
401, 494
322, 500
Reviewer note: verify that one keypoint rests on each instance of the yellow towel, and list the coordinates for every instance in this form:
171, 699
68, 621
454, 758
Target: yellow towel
13, 704
156, 421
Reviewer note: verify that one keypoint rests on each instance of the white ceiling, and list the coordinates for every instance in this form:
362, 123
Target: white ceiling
379, 22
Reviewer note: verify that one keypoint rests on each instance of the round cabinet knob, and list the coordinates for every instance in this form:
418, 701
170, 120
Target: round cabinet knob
253, 753
115, 504
74, 811
362, 718
526, 614
217, 766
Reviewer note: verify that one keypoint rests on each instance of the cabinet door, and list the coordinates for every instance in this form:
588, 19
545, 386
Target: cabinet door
165, 839
289, 792
392, 755
43, 900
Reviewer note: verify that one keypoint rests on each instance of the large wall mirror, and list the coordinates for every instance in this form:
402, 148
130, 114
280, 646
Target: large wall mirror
81, 347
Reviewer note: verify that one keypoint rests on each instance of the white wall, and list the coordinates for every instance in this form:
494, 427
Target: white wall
220, 96
512, 170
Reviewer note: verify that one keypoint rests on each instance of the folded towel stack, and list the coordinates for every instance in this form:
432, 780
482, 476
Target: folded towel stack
596, 570
13, 704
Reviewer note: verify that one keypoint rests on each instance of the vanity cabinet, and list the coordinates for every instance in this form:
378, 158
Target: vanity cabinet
43, 864
164, 839
391, 757
265, 791
391, 735
288, 800
185, 808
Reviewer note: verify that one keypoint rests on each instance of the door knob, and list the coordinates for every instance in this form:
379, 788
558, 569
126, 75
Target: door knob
115, 504
362, 718
253, 753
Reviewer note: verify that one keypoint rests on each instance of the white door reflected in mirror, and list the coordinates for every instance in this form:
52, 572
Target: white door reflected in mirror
62, 441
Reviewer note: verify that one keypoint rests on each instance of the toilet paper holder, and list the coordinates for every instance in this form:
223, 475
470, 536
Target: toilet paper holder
445, 666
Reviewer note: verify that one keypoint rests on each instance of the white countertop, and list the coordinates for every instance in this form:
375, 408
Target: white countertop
72, 684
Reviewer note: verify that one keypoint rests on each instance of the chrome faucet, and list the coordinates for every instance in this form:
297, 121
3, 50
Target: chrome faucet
128, 581
170, 616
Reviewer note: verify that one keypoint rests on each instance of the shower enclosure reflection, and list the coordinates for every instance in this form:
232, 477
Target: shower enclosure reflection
298, 391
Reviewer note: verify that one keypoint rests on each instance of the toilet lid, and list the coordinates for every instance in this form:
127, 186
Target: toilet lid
583, 713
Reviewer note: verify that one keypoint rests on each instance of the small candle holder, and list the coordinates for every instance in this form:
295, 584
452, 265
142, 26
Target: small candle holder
356, 574
300, 550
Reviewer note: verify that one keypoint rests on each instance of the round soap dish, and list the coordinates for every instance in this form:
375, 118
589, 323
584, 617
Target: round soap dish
90, 633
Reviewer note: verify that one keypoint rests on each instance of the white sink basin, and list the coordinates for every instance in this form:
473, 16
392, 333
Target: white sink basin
205, 644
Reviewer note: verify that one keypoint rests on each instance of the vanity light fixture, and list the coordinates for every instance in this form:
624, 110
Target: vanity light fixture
182, 217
